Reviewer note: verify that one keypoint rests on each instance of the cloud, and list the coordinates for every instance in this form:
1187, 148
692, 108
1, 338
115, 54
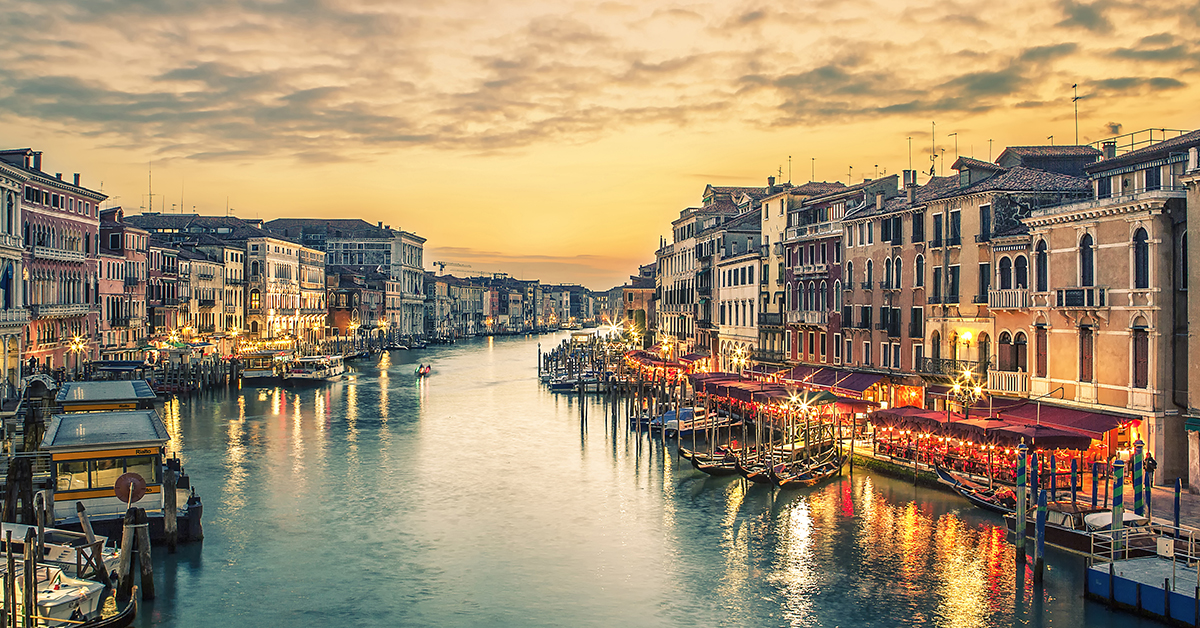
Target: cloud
1132, 84
1086, 16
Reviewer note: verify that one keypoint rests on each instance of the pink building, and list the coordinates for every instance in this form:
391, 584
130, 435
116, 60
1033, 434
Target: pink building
60, 225
123, 291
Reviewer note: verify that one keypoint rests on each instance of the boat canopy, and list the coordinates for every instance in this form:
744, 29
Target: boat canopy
115, 395
93, 430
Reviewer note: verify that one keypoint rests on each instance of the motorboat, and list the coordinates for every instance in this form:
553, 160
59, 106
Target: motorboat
1070, 525
65, 549
316, 369
57, 595
264, 367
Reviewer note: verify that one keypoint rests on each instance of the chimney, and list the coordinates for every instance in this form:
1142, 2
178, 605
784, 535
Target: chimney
380, 224
37, 160
1193, 159
770, 182
58, 175
76, 179
1110, 149
912, 193
910, 178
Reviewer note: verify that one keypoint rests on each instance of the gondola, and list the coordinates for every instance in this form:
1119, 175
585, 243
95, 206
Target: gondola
122, 619
723, 466
755, 471
807, 472
990, 499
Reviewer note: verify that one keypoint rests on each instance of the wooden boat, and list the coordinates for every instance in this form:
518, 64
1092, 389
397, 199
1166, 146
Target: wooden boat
997, 499
264, 367
1070, 526
807, 472
317, 369
63, 548
564, 384
721, 463
122, 619
755, 471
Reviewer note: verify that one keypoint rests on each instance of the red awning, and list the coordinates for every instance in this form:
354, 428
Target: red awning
1089, 423
855, 383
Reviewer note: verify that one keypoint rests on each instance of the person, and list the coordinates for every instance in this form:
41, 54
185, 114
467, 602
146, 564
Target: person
1150, 465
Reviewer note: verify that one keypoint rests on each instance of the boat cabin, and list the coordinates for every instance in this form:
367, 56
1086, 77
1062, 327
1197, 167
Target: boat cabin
133, 394
264, 364
90, 450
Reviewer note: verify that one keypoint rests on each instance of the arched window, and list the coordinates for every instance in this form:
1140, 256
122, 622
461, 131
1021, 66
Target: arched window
254, 327
1005, 273
812, 295
837, 296
1005, 355
787, 296
935, 345
804, 295
823, 299
254, 269
255, 299
887, 272
1043, 272
1021, 352
850, 274
1141, 259
896, 274
1141, 355
870, 273
985, 349
1087, 261
919, 273
1021, 273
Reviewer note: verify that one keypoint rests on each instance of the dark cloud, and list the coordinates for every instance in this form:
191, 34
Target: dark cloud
1131, 84
1087, 16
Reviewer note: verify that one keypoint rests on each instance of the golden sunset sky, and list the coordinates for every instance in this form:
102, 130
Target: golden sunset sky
557, 140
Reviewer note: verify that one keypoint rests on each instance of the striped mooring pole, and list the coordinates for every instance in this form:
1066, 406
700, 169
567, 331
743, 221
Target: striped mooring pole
1019, 520
1118, 502
1139, 506
1039, 545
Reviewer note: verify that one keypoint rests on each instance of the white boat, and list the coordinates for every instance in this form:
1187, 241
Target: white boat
58, 596
315, 369
62, 547
262, 367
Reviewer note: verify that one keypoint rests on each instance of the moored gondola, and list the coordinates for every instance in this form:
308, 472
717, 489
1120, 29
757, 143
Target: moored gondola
122, 619
997, 499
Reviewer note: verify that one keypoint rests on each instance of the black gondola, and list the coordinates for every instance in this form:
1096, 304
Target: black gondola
122, 619
990, 499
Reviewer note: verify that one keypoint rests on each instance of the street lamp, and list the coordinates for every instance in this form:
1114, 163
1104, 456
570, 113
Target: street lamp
77, 347
966, 391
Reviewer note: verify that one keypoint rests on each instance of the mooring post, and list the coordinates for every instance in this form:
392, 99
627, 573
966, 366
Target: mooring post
10, 582
1019, 520
29, 600
1118, 503
143, 549
170, 509
124, 562
1139, 505
1039, 546
86, 524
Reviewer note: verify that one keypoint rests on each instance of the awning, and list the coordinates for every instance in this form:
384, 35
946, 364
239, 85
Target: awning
1045, 437
856, 383
692, 357
1086, 422
1192, 424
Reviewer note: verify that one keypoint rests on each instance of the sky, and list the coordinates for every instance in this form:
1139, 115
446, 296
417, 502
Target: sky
557, 140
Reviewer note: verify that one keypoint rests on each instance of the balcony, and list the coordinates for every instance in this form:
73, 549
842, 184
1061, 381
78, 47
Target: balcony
206, 329
1008, 382
764, 355
208, 302
231, 309
234, 281
205, 276
132, 281
954, 240
59, 311
1012, 299
950, 368
705, 324
1163, 193
817, 229
1083, 298
807, 318
56, 254
950, 299
10, 241
15, 317
770, 319
933, 299
811, 269
936, 243
118, 323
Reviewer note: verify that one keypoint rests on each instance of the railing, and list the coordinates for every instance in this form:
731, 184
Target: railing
205, 276
1162, 193
807, 317
950, 299
893, 329
208, 302
951, 368
9, 240
119, 322
1010, 299
937, 242
1081, 297
763, 355
59, 311
15, 316
132, 281
231, 309
234, 281
820, 228
1012, 382
933, 299
772, 319
207, 329
812, 269
57, 254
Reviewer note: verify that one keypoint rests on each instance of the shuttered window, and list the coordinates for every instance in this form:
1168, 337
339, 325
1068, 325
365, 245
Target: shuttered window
1141, 358
1086, 354
1040, 349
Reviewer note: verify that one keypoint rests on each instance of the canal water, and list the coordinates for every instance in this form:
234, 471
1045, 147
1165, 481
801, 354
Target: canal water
475, 497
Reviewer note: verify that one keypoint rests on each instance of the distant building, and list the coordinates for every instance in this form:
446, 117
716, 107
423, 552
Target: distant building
123, 248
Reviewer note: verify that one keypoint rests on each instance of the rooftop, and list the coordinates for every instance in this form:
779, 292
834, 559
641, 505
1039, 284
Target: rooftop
82, 430
1160, 150
82, 392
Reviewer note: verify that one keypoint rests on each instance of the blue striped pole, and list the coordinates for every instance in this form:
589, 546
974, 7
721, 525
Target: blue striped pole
1039, 546
1033, 476
1019, 519
1178, 492
1074, 478
1053, 479
1095, 483
1138, 506
1118, 502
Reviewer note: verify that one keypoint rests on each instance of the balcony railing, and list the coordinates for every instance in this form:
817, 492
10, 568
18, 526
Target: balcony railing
770, 319
820, 228
119, 322
1011, 382
1091, 297
57, 254
950, 299
132, 281
208, 302
14, 316
979, 298
1011, 299
205, 276
950, 368
59, 311
9, 240
763, 355
811, 269
954, 240
807, 317
231, 309
933, 299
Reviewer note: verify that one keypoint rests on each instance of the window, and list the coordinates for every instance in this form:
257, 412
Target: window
887, 272
985, 223
870, 233
918, 227
870, 272
255, 299
1181, 255
955, 228
1141, 259
896, 355
885, 355
867, 353
837, 254
850, 274
1043, 271
937, 230
1086, 349
822, 346
862, 234
1103, 187
1087, 271
849, 357
935, 345
837, 296
953, 289
897, 230
750, 269
1154, 178
1141, 358
1021, 274
896, 274
837, 348
985, 280
1021, 352
1005, 273
919, 273
937, 283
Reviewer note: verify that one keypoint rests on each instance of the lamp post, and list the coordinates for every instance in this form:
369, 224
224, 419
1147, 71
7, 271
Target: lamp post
77, 346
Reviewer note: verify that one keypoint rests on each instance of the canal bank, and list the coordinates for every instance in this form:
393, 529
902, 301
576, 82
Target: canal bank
475, 497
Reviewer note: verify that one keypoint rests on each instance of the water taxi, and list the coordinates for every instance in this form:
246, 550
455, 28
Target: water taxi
57, 595
264, 367
316, 369
66, 549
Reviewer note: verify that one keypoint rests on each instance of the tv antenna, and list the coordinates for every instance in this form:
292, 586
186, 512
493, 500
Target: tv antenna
1075, 101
